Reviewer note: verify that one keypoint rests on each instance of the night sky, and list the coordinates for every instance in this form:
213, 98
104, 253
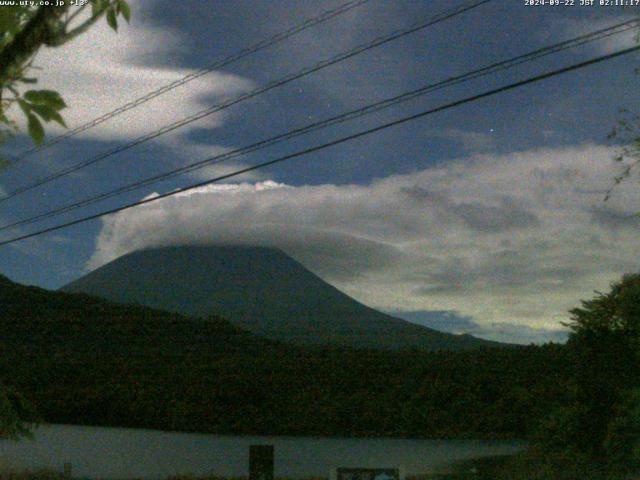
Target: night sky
487, 218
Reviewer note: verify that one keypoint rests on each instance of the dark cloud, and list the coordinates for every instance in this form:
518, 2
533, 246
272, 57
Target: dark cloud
422, 194
506, 268
507, 215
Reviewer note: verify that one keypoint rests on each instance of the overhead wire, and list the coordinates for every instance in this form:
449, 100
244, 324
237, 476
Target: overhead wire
347, 116
261, 45
254, 93
332, 143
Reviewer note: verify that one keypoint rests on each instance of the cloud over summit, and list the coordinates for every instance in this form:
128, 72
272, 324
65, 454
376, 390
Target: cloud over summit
509, 239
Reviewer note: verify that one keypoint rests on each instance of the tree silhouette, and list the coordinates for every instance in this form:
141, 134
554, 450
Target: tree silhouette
605, 343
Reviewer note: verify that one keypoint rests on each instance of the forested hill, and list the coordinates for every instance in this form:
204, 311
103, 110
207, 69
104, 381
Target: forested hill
261, 290
82, 360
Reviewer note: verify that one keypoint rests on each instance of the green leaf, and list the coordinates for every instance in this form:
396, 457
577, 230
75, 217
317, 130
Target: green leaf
9, 18
56, 117
112, 20
35, 129
28, 80
97, 7
45, 97
124, 9
25, 107
48, 114
12, 20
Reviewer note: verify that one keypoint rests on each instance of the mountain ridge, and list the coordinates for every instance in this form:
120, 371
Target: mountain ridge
259, 289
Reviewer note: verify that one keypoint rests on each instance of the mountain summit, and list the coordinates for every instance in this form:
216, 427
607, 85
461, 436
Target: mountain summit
259, 289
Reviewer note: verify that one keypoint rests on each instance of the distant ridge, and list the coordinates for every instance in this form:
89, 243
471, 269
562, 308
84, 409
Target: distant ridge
259, 289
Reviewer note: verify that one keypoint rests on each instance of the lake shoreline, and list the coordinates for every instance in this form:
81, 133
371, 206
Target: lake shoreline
119, 453
489, 438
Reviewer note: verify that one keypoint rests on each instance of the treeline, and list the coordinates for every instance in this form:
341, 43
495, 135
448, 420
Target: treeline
82, 360
595, 433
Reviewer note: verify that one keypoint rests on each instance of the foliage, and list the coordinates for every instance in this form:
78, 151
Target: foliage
43, 474
560, 431
87, 361
605, 344
628, 156
617, 312
596, 435
24, 29
16, 414
622, 443
536, 465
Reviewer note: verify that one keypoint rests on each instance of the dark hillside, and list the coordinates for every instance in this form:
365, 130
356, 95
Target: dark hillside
84, 360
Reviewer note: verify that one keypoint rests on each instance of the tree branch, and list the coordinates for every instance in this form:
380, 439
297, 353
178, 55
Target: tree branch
64, 38
78, 11
41, 29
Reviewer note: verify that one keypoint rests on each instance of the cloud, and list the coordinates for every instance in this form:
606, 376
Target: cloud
500, 332
508, 239
574, 27
470, 141
102, 70
505, 215
232, 214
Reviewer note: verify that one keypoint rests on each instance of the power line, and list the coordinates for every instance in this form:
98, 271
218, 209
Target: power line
332, 143
366, 110
274, 84
263, 44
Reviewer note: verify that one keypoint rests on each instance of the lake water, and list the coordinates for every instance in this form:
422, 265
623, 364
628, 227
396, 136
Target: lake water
130, 453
